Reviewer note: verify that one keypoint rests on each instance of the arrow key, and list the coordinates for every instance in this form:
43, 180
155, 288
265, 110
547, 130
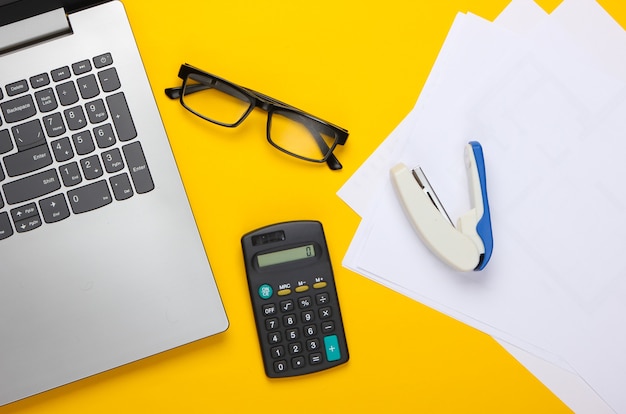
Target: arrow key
54, 208
26, 217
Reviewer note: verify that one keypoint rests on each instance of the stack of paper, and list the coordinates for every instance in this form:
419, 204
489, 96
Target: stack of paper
545, 95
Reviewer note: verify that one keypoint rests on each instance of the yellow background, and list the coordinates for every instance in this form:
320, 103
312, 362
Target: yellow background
360, 65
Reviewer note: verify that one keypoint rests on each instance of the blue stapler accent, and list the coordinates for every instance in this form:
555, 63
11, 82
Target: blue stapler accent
469, 245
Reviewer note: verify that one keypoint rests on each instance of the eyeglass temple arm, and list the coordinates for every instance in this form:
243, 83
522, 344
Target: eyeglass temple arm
332, 161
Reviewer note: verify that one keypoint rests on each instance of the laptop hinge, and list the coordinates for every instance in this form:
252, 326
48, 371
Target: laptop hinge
34, 29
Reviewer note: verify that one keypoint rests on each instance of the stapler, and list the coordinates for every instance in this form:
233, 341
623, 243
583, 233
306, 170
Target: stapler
469, 245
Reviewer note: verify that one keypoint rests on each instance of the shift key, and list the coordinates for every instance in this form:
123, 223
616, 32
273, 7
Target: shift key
139, 171
31, 187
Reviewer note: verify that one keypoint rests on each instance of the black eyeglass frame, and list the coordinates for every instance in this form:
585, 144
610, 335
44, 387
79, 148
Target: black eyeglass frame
269, 105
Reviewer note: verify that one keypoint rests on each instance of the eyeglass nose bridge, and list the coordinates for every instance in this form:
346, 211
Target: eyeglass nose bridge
266, 102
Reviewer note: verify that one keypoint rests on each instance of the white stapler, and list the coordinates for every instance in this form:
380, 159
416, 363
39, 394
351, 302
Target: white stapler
467, 246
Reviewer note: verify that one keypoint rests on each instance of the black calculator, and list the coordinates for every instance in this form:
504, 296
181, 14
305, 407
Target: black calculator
293, 294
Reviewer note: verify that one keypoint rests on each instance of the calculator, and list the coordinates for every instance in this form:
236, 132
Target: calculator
293, 295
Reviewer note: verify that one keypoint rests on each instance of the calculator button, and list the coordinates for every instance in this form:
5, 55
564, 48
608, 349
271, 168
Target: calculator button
271, 324
328, 327
295, 348
269, 309
308, 316
310, 330
298, 362
304, 302
292, 334
302, 288
265, 291
274, 337
286, 305
325, 313
322, 298
280, 366
313, 344
289, 320
315, 358
319, 285
331, 345
277, 351
284, 292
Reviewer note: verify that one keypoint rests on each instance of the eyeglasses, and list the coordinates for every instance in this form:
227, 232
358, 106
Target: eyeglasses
289, 129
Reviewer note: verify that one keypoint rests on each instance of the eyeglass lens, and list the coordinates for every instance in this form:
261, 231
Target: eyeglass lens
215, 100
299, 135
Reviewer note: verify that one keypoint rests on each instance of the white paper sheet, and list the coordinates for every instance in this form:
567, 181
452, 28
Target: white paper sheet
549, 119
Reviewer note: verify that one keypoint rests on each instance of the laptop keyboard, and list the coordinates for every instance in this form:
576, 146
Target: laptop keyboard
68, 145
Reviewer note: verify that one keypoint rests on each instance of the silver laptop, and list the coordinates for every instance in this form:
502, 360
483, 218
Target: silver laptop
101, 262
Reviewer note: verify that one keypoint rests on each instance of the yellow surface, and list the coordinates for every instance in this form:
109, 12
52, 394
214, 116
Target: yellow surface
360, 65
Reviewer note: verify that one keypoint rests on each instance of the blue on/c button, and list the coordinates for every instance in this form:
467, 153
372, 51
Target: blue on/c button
265, 291
331, 345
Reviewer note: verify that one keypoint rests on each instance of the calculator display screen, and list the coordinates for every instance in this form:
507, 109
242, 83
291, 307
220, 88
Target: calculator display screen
288, 255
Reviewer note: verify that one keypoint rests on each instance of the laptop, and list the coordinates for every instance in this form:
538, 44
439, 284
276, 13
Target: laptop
101, 261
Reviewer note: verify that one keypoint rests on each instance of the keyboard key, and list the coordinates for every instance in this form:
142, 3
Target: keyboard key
89, 197
6, 144
120, 114
27, 161
88, 87
54, 125
16, 88
26, 218
81, 67
112, 161
67, 93
62, 149
18, 109
39, 81
60, 74
122, 189
46, 101
96, 111
83, 142
139, 171
24, 212
70, 174
92, 168
54, 209
6, 229
103, 60
31, 187
104, 136
28, 135
109, 80
75, 118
